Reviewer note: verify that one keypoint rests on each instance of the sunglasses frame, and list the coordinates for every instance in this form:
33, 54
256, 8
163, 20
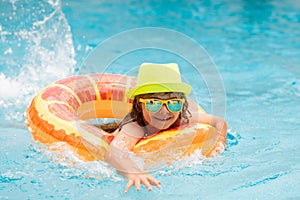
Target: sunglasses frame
164, 102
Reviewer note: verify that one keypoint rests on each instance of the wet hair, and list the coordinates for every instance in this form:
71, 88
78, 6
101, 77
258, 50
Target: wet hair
136, 113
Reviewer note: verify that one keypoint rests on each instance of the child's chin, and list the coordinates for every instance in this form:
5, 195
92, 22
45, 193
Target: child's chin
163, 127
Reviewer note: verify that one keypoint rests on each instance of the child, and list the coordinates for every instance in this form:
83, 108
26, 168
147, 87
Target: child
159, 103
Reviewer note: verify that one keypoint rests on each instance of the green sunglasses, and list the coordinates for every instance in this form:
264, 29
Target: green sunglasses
154, 105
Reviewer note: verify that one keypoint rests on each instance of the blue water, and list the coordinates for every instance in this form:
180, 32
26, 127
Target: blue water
251, 48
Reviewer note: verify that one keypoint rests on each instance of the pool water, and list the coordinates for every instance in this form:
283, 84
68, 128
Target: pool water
253, 49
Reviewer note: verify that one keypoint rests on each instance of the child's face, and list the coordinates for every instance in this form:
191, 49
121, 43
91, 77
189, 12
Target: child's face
163, 118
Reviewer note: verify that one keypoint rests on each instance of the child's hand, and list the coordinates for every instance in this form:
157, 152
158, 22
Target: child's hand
219, 148
138, 179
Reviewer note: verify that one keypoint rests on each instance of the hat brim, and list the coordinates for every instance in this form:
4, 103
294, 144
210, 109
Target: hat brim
158, 88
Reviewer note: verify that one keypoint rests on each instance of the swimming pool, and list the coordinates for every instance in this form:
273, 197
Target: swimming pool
255, 49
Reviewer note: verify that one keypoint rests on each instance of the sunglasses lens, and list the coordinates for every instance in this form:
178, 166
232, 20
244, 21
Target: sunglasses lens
153, 105
174, 105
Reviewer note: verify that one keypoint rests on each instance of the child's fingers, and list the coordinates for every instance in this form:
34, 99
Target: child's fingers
137, 184
154, 182
145, 182
129, 185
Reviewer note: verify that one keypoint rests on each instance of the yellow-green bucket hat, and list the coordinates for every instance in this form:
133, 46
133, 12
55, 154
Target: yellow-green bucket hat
156, 78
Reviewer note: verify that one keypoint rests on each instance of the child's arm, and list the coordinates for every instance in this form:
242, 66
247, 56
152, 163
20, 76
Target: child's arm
122, 159
215, 121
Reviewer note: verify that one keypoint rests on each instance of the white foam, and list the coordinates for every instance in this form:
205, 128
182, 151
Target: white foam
9, 88
61, 153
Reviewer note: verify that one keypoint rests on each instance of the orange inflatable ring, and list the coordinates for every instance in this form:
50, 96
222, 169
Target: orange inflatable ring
59, 113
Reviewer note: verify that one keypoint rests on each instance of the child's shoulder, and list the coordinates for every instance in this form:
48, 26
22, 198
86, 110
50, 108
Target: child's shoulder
133, 129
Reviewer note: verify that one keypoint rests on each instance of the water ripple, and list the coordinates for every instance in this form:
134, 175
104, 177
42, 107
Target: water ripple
261, 181
10, 177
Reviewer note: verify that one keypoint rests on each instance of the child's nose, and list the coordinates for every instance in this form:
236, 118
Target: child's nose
164, 109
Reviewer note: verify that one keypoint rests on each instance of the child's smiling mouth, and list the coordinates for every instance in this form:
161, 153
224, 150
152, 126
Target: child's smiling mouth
163, 118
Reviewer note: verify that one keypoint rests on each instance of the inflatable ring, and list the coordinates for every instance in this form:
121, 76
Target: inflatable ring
60, 113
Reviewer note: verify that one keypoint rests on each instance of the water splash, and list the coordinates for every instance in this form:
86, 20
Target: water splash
67, 162
36, 47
